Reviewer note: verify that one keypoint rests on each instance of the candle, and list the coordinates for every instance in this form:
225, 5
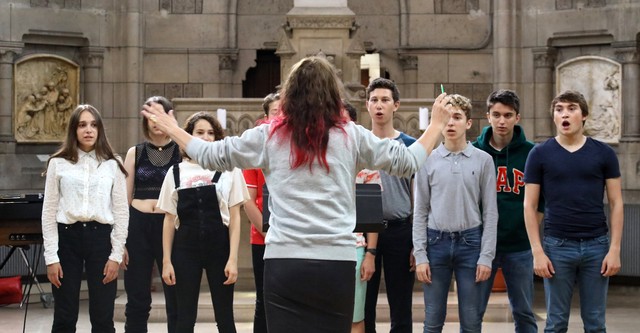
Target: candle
424, 118
222, 117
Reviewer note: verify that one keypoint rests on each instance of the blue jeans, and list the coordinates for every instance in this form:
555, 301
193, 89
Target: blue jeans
576, 261
448, 253
517, 268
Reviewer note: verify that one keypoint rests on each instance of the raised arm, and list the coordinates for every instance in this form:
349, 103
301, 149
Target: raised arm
440, 115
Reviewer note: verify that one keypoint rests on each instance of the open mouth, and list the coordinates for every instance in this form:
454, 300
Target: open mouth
566, 123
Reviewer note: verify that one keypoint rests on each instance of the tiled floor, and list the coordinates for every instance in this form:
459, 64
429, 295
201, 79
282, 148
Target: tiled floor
623, 316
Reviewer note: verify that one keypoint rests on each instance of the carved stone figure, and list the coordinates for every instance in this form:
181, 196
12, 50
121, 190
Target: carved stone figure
47, 89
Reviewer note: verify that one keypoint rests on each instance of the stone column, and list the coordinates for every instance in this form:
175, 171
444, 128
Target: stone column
627, 55
543, 62
503, 49
6, 93
226, 64
410, 70
92, 61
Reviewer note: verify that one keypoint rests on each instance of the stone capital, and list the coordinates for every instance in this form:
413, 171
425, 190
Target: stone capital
92, 57
227, 61
409, 62
544, 57
627, 54
7, 56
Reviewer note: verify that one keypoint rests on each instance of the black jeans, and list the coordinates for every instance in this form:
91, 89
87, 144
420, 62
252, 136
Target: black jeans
394, 248
144, 244
259, 318
84, 245
311, 296
195, 249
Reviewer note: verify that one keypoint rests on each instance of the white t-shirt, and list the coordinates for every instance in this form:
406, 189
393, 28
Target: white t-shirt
231, 188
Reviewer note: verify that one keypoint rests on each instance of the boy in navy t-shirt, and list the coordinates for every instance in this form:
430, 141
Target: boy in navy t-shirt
573, 171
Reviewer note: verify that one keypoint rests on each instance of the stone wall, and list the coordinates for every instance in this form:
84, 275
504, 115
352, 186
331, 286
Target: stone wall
127, 50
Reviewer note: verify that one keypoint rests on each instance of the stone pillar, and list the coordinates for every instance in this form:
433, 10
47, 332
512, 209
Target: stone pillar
6, 93
410, 72
92, 62
543, 62
627, 55
226, 64
503, 49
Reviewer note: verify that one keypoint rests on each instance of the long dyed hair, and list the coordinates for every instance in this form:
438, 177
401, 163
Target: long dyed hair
69, 148
311, 105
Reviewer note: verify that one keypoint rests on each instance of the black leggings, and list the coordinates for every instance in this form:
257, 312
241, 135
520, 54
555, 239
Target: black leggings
304, 295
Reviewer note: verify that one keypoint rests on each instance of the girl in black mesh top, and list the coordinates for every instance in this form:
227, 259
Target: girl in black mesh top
147, 163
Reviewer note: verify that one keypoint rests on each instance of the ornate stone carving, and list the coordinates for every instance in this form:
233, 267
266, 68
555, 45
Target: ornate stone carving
409, 62
544, 57
92, 57
46, 91
627, 55
7, 56
599, 79
320, 22
227, 61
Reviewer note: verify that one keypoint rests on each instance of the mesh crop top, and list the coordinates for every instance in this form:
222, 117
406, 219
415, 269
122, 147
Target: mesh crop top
152, 164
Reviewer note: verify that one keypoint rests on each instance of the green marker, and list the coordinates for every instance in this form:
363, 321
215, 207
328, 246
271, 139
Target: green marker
441, 88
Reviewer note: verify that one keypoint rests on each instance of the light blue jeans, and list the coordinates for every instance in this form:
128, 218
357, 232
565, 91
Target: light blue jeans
517, 268
449, 253
576, 261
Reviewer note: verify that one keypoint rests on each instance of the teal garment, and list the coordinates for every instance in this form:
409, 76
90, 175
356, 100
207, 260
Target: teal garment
509, 163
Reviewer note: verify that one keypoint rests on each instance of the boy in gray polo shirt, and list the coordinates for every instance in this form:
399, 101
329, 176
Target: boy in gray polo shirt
455, 222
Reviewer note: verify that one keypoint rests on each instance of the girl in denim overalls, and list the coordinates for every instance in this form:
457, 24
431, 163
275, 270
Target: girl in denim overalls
202, 231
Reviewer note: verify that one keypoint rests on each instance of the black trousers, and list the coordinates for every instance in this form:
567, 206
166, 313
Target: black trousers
311, 296
84, 245
394, 248
144, 244
259, 318
195, 249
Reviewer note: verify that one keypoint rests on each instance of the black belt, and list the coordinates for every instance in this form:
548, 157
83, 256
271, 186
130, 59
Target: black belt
396, 222
91, 225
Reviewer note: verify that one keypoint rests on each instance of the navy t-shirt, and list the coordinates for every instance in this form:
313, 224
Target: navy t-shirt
573, 186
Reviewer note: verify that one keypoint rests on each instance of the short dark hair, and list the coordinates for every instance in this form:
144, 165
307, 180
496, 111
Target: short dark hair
506, 97
353, 112
571, 96
166, 105
268, 100
382, 83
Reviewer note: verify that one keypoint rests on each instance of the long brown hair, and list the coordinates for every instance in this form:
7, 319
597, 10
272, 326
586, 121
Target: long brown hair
69, 148
311, 105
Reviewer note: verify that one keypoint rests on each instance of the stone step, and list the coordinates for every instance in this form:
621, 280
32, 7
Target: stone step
497, 310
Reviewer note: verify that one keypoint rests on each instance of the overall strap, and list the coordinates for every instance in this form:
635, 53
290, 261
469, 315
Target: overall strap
176, 174
216, 177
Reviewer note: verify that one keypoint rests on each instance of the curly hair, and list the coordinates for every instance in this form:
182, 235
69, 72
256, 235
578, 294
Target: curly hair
462, 103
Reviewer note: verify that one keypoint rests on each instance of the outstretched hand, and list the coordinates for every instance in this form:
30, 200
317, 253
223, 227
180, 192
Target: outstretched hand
161, 120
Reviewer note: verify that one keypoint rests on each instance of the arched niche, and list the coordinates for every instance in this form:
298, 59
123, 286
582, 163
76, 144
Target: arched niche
599, 79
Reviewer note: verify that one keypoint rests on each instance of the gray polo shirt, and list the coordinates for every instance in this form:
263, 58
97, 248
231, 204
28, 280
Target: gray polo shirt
456, 192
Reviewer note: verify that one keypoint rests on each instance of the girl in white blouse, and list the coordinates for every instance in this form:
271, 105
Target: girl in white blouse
202, 230
85, 217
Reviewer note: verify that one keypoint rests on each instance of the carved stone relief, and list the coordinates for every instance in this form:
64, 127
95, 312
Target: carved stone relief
599, 80
46, 92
